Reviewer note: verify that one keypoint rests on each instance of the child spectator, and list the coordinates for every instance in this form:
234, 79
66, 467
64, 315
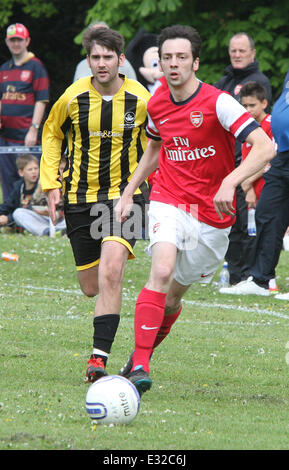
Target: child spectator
253, 98
28, 169
35, 216
20, 209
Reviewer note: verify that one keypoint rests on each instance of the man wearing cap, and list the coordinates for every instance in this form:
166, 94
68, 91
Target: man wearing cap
24, 93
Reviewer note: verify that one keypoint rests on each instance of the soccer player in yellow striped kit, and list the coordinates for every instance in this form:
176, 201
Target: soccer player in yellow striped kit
103, 118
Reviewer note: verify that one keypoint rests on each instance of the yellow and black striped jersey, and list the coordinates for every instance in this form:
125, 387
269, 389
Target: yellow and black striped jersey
106, 139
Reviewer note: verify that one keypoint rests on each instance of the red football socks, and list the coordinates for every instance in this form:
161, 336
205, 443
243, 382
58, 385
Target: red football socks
165, 328
149, 315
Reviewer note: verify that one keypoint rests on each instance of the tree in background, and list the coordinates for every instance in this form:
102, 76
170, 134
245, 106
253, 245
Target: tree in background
56, 26
53, 26
216, 23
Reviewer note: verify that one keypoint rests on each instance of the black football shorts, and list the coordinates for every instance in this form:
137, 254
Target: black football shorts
89, 225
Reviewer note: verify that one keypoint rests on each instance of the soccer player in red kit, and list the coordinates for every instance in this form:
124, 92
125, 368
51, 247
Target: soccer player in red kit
192, 128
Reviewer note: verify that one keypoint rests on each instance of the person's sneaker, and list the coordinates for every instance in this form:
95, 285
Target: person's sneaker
95, 370
126, 369
273, 288
282, 296
140, 379
248, 287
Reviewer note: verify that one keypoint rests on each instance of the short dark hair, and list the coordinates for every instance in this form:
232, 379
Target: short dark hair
183, 32
24, 159
103, 36
253, 89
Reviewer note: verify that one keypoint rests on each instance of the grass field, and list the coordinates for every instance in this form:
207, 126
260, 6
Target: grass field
220, 380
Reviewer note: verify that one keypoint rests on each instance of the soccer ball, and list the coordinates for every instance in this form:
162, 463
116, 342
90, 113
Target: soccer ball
112, 400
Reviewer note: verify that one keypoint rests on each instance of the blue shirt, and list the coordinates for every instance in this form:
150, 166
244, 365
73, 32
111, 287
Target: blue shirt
280, 118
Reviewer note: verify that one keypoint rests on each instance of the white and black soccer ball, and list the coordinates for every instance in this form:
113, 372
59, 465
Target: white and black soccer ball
112, 400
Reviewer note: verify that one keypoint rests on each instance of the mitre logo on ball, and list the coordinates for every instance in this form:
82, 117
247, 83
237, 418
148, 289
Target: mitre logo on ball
112, 400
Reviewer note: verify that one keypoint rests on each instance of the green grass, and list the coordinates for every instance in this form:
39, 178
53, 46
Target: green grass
220, 380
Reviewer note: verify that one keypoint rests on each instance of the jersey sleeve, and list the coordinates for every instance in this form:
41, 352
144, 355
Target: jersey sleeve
234, 117
151, 130
54, 132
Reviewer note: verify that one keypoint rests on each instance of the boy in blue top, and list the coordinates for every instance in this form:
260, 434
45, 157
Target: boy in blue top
27, 208
23, 190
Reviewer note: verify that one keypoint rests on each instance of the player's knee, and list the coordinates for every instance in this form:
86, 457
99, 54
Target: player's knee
162, 276
89, 286
89, 290
18, 212
88, 281
111, 275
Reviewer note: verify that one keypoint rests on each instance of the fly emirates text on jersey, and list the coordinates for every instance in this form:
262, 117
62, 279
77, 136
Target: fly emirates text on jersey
184, 150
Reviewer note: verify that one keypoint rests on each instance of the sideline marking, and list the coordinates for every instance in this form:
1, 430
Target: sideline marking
242, 309
270, 313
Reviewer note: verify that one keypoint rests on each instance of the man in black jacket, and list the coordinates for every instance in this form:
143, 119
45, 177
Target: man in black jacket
243, 68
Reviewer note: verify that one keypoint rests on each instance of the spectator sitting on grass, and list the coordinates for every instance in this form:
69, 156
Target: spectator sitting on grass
19, 211
28, 169
35, 216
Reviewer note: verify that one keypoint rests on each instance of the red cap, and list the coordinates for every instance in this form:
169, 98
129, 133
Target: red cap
17, 30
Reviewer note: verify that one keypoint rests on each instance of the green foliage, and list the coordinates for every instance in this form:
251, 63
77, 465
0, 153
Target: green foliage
149, 14
266, 24
6, 8
34, 8
38, 9
56, 31
149, 7
52, 26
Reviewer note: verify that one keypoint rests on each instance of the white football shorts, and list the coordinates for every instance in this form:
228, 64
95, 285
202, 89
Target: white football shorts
201, 247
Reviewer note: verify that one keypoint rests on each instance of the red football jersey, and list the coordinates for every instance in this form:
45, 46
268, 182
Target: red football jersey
246, 147
197, 153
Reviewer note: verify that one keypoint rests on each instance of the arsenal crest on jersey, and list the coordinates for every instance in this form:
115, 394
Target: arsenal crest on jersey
196, 118
25, 75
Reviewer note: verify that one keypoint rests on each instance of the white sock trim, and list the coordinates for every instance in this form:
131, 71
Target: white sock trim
99, 352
